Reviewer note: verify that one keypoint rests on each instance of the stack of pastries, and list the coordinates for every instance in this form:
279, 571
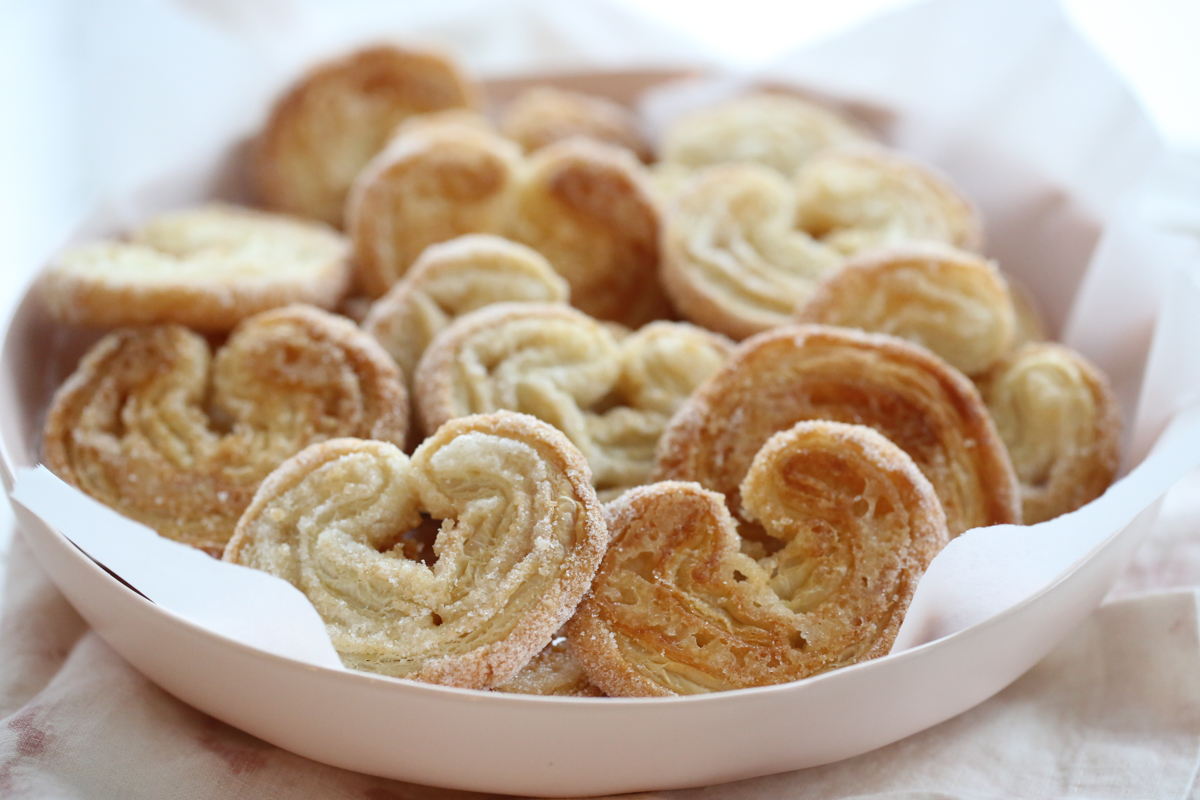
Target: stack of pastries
520, 406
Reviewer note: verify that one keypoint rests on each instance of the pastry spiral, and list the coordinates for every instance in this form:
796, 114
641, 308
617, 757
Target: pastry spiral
207, 268
544, 115
950, 301
451, 279
808, 372
582, 204
155, 426
520, 539
677, 608
1061, 423
611, 397
329, 124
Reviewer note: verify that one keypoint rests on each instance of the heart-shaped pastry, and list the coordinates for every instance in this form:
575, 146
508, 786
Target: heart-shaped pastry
451, 279
677, 608
743, 246
948, 300
612, 397
1061, 423
155, 426
520, 539
806, 372
582, 204
544, 115
207, 268
324, 130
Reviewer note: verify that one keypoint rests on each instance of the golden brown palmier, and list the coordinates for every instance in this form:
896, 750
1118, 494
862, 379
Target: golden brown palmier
207, 268
677, 608
553, 672
733, 260
1061, 422
582, 204
451, 279
778, 131
155, 426
948, 300
543, 115
520, 539
332, 121
857, 197
806, 372
612, 397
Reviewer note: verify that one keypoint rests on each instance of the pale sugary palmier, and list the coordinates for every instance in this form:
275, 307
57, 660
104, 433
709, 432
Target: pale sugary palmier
553, 672
775, 130
207, 268
733, 260
948, 300
582, 204
326, 128
677, 608
520, 539
1057, 414
155, 426
451, 279
809, 372
612, 397
857, 197
544, 115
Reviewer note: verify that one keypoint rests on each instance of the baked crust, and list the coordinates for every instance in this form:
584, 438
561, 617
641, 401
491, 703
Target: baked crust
678, 608
544, 115
521, 537
157, 427
948, 300
330, 123
612, 396
1061, 423
806, 372
582, 204
207, 268
554, 672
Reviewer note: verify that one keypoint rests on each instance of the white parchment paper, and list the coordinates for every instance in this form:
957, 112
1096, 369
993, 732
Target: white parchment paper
1004, 97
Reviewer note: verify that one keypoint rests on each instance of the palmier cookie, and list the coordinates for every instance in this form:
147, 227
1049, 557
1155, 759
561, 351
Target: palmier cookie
207, 268
1057, 414
583, 205
553, 672
808, 372
778, 131
452, 278
611, 397
677, 608
155, 426
544, 115
330, 123
948, 300
520, 539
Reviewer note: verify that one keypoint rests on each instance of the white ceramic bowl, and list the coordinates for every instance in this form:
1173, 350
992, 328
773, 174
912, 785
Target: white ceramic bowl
528, 745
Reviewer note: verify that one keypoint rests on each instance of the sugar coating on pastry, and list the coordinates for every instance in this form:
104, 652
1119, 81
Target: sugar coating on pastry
553, 672
678, 608
207, 268
948, 300
611, 396
332, 121
1061, 423
733, 259
156, 426
451, 279
857, 197
808, 372
520, 538
582, 204
778, 131
543, 115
